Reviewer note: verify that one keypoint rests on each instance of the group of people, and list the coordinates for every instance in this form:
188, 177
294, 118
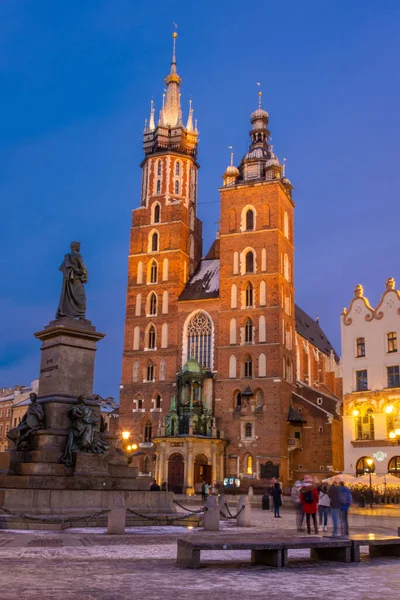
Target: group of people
310, 499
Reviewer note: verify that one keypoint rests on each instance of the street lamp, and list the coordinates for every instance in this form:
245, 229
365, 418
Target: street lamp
126, 435
370, 462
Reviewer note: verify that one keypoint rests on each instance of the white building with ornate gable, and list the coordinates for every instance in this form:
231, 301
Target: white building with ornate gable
371, 382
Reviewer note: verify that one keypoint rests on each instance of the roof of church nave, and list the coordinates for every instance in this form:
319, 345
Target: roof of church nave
204, 284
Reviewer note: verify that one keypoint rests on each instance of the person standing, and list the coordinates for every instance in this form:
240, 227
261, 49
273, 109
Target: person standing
335, 507
295, 496
324, 503
277, 499
345, 501
309, 502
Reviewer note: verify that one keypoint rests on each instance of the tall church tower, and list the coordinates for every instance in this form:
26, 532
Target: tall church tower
256, 343
165, 248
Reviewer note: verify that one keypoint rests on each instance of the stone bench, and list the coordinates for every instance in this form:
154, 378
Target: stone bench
272, 552
378, 545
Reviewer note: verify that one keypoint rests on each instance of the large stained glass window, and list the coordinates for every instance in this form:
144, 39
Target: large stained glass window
199, 339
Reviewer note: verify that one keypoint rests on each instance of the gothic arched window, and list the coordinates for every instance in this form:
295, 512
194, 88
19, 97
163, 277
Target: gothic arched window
249, 295
150, 371
248, 367
249, 220
158, 401
157, 212
152, 338
249, 262
147, 432
159, 166
248, 331
177, 186
177, 168
153, 305
153, 272
158, 186
154, 242
199, 339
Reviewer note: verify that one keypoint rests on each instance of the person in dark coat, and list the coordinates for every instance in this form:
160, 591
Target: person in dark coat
277, 499
335, 507
154, 486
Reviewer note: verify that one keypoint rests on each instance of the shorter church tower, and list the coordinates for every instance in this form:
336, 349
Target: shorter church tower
256, 340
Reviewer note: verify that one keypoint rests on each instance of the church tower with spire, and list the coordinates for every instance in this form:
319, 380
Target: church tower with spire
165, 248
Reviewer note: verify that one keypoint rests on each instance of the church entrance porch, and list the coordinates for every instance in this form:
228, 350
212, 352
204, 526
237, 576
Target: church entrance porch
185, 461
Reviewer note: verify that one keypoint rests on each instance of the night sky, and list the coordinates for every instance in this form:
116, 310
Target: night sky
76, 83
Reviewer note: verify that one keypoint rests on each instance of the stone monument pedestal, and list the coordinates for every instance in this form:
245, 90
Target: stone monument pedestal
34, 480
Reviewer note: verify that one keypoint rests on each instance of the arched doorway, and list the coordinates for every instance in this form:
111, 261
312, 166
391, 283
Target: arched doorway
394, 466
175, 473
202, 470
363, 467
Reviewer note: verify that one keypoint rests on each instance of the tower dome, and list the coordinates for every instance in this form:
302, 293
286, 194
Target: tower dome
231, 173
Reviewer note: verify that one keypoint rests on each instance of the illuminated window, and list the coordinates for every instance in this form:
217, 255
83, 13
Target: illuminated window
361, 380
360, 347
393, 376
365, 426
249, 465
248, 331
392, 341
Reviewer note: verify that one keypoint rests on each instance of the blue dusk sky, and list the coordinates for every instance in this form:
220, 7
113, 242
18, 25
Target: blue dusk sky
76, 80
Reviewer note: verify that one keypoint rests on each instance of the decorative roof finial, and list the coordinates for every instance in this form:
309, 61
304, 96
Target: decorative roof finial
358, 291
390, 283
189, 125
284, 168
174, 36
259, 99
151, 120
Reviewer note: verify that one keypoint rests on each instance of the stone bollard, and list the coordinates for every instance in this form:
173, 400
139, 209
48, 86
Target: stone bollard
243, 518
117, 516
211, 514
223, 500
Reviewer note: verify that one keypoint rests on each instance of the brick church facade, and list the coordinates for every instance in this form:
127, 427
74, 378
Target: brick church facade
224, 377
